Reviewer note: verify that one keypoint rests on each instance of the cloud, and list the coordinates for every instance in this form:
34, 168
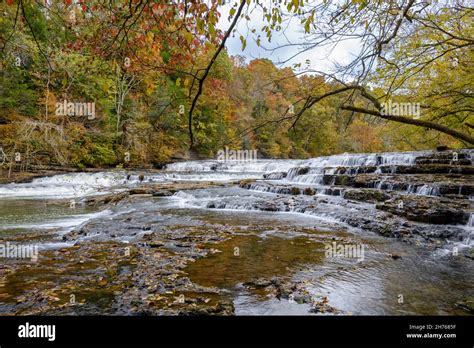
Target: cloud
282, 49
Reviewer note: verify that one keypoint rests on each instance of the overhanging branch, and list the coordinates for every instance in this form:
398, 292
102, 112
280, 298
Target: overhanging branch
427, 124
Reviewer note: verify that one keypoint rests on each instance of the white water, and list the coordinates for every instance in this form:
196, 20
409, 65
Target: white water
257, 166
319, 166
303, 172
266, 166
65, 224
84, 184
328, 164
64, 185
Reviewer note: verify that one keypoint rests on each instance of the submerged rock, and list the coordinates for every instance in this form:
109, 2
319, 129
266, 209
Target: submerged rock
466, 304
322, 306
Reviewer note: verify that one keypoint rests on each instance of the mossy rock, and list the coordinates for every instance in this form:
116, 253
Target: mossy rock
342, 180
367, 195
246, 183
295, 191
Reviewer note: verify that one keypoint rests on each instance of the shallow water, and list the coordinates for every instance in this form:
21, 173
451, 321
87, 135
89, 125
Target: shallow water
247, 243
367, 287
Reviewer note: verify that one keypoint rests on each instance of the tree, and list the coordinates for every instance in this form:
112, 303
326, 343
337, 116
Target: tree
401, 43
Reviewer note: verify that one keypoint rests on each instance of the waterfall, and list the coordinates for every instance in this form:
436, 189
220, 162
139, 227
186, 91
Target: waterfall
255, 166
470, 222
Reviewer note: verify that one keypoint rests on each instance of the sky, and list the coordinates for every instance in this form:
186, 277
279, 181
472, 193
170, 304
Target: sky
321, 59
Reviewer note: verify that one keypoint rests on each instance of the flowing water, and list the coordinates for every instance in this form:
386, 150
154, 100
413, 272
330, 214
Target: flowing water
259, 230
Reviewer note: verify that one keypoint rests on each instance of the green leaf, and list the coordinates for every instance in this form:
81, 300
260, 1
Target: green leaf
243, 41
188, 36
307, 25
200, 26
212, 30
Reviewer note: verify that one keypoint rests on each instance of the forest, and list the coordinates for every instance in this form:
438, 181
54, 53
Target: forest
163, 85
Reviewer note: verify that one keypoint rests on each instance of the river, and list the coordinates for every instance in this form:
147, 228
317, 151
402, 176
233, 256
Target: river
246, 238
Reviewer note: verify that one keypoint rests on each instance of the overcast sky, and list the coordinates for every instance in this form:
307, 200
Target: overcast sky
320, 58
